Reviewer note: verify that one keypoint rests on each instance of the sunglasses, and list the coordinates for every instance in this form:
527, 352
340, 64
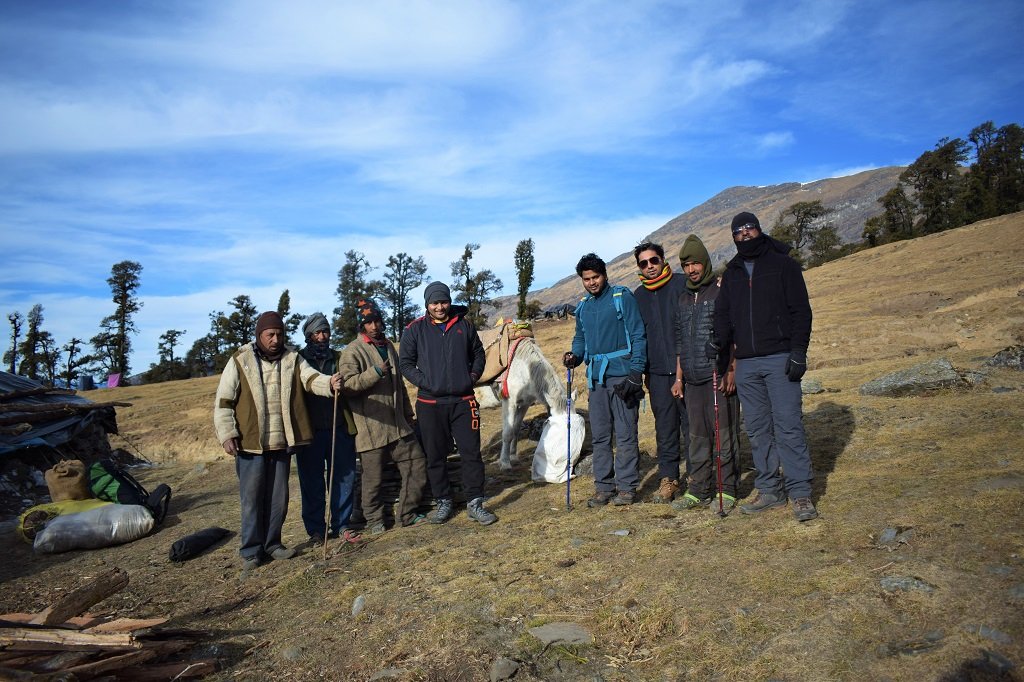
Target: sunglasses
743, 228
653, 260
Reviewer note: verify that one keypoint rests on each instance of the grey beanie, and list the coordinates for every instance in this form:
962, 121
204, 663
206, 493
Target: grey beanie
315, 323
437, 291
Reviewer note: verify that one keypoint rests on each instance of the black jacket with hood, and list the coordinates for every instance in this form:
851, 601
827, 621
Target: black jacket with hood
768, 313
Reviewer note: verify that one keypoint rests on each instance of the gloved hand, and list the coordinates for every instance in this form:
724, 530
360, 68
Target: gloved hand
796, 365
711, 350
630, 391
570, 360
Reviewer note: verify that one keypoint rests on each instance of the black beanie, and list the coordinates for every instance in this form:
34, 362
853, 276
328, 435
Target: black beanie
437, 291
745, 218
269, 320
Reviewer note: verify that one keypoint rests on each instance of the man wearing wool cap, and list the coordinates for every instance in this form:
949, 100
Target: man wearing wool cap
443, 357
261, 418
764, 312
314, 460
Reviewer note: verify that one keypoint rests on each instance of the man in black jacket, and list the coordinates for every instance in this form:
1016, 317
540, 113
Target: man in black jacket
443, 357
764, 310
658, 300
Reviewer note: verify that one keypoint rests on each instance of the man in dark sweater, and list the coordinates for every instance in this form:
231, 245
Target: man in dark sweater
658, 300
443, 357
764, 310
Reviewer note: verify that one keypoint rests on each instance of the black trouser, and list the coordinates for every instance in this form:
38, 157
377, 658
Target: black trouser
700, 402
671, 427
439, 423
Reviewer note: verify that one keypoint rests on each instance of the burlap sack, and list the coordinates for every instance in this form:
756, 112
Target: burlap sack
68, 480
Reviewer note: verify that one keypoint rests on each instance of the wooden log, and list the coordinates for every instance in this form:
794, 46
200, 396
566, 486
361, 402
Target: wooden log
86, 620
87, 670
127, 625
14, 395
54, 413
171, 671
77, 601
51, 639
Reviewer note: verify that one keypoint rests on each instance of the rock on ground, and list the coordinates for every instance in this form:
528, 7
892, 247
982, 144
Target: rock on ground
917, 380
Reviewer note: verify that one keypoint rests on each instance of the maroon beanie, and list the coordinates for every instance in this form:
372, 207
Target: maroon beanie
269, 320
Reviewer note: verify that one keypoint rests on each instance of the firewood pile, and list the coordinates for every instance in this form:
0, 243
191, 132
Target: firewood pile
63, 642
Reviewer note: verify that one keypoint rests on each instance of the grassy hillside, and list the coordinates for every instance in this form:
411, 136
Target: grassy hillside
682, 596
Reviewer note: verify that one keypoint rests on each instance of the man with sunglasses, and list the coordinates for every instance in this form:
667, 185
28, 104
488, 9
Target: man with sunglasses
658, 300
764, 310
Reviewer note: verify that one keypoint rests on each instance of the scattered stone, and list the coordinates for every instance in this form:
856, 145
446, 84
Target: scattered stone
358, 604
562, 632
623, 532
989, 633
388, 674
577, 542
1012, 357
974, 378
503, 669
1010, 480
566, 563
905, 583
291, 653
811, 387
1000, 569
1017, 592
910, 647
1003, 389
917, 380
892, 538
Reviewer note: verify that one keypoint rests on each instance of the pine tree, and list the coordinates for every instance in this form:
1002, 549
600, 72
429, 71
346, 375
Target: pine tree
352, 286
114, 339
11, 356
473, 289
402, 274
524, 271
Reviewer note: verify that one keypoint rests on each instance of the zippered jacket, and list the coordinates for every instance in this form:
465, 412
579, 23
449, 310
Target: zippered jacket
694, 328
442, 360
765, 314
658, 309
379, 401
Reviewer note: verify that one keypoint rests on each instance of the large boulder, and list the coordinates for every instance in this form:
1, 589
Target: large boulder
1012, 357
917, 380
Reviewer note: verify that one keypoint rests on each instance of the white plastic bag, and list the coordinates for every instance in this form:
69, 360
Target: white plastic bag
111, 524
549, 457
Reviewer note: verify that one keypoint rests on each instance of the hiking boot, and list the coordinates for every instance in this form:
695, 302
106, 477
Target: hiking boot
666, 491
351, 537
283, 552
728, 504
762, 502
475, 510
444, 511
803, 509
315, 540
690, 501
250, 563
600, 498
377, 528
623, 498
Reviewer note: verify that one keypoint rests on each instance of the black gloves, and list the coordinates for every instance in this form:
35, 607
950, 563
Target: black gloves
570, 360
631, 391
796, 365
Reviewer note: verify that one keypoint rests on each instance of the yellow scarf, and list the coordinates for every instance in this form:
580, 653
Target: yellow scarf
657, 282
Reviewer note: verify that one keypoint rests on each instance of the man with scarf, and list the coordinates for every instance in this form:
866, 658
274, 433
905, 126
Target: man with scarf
442, 356
314, 461
694, 380
384, 419
763, 310
658, 300
261, 418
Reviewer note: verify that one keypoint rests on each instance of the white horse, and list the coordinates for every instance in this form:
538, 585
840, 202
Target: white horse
531, 379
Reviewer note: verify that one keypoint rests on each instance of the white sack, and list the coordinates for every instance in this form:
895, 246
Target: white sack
111, 524
549, 458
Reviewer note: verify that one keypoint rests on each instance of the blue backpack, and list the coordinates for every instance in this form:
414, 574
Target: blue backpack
601, 359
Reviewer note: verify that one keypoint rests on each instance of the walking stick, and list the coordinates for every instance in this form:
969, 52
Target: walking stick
718, 442
330, 473
568, 436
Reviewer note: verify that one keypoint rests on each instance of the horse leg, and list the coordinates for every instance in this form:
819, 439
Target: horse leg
519, 412
507, 435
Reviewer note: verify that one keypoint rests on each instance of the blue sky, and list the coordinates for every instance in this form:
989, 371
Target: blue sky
242, 147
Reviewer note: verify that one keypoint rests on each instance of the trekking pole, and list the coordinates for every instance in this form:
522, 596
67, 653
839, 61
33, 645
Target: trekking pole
568, 436
718, 442
330, 473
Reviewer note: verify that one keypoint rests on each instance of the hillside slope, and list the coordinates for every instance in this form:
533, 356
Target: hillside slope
680, 596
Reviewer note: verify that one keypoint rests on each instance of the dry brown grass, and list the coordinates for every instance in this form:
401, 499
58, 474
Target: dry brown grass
683, 596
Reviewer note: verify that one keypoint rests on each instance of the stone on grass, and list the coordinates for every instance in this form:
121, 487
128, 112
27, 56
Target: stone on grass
358, 604
811, 387
388, 674
291, 653
503, 669
988, 633
909, 647
917, 380
905, 583
1012, 357
561, 632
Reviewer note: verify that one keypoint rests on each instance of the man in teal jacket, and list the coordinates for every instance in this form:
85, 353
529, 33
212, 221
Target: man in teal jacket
610, 339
